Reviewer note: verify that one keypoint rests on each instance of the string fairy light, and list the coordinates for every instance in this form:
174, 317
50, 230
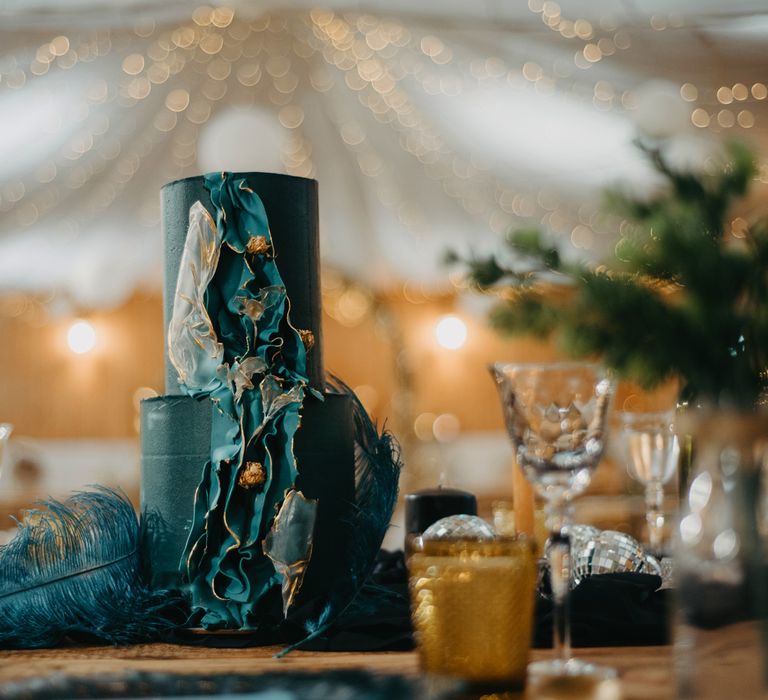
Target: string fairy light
187, 70
725, 106
593, 52
404, 118
595, 48
185, 38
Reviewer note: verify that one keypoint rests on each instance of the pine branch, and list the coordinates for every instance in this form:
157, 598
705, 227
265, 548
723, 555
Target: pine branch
711, 331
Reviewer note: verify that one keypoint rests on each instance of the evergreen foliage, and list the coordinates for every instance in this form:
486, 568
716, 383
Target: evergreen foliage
682, 296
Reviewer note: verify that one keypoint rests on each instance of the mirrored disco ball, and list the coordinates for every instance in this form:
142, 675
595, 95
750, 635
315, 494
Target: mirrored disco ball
582, 547
582, 533
460, 527
615, 552
653, 566
595, 552
667, 572
583, 539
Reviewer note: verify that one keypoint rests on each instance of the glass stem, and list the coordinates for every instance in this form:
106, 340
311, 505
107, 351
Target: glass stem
559, 517
654, 515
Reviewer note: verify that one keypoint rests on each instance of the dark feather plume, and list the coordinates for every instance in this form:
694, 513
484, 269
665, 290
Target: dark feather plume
73, 571
377, 474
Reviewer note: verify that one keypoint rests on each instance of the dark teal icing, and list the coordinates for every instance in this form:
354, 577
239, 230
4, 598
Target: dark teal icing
228, 572
175, 444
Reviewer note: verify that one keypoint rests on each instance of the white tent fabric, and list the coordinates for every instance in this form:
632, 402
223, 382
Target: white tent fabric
428, 125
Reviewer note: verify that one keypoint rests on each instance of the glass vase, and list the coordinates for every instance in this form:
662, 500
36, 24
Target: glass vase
720, 559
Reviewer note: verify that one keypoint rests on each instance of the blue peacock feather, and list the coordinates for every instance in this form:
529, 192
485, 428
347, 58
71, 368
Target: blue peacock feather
73, 570
377, 474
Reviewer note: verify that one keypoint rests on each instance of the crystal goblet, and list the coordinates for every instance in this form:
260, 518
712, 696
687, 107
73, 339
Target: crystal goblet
555, 414
650, 449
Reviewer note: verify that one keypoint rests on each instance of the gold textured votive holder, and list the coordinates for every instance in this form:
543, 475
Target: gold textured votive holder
505, 523
472, 607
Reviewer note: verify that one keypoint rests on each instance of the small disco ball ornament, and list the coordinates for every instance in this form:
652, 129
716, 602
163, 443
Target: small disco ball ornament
653, 566
583, 539
459, 527
667, 568
581, 533
595, 552
615, 552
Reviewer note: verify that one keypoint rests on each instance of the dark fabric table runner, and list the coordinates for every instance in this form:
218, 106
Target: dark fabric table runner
622, 609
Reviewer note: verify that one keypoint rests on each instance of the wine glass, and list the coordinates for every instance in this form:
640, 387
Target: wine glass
555, 414
650, 449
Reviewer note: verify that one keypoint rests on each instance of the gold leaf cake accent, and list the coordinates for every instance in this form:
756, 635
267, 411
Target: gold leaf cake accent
258, 245
307, 337
253, 475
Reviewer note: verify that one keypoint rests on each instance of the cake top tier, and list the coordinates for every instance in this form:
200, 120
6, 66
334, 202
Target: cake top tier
291, 204
254, 174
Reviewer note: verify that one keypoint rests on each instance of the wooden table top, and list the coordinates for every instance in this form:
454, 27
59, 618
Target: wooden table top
645, 672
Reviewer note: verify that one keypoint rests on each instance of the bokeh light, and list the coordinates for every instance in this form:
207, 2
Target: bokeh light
81, 337
451, 332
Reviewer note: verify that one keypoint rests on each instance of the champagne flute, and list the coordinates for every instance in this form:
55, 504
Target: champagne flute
650, 449
5, 433
555, 414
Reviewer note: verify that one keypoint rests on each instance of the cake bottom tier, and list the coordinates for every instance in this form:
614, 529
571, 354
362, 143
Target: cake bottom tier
175, 445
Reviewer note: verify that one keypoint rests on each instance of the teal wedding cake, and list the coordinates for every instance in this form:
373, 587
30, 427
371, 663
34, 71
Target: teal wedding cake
257, 478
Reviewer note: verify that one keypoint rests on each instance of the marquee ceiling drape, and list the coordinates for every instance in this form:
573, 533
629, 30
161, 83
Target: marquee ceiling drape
428, 125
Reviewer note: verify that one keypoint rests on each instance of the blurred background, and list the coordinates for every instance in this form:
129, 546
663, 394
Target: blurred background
429, 126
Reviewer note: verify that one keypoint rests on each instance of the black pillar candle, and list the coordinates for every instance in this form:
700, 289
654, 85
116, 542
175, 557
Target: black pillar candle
423, 508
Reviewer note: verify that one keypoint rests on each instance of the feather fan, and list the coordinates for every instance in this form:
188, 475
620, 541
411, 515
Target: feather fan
377, 474
73, 570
